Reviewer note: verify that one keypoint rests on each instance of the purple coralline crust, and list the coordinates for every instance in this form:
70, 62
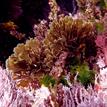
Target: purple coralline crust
73, 96
10, 96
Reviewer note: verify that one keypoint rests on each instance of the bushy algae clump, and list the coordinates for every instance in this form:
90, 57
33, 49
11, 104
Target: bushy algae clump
64, 39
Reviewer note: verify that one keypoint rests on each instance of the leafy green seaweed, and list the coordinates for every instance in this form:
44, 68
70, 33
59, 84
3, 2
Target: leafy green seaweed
85, 75
100, 27
48, 80
103, 4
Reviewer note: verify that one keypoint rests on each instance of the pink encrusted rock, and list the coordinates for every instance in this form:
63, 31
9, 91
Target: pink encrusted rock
7, 90
10, 96
101, 42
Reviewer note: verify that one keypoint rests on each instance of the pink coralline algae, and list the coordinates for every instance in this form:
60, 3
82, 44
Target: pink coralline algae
10, 96
101, 42
7, 90
74, 95
78, 96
